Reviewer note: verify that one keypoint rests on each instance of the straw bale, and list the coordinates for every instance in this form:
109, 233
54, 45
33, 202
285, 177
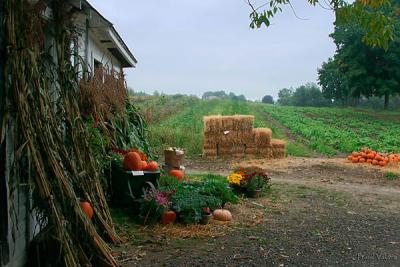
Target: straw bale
212, 123
209, 152
263, 136
244, 122
238, 149
229, 137
251, 151
228, 123
224, 151
265, 152
277, 143
212, 138
246, 137
208, 145
278, 153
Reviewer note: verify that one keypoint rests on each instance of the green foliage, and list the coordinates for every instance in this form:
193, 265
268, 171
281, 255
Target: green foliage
391, 176
223, 95
331, 130
216, 185
359, 69
268, 99
378, 27
308, 95
189, 203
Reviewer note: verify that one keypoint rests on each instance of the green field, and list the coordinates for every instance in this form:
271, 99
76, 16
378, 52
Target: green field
309, 131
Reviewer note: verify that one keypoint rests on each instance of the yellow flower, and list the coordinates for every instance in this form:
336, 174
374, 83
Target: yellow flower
235, 178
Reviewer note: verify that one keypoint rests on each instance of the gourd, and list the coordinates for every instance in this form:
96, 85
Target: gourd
152, 166
222, 215
168, 217
132, 161
177, 174
87, 208
144, 165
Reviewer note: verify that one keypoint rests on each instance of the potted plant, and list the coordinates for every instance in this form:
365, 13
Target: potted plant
154, 204
250, 181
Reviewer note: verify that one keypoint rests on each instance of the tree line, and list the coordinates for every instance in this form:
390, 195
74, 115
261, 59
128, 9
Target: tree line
359, 74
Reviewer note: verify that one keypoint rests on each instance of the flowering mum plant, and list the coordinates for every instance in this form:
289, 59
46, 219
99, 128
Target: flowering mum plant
155, 202
250, 178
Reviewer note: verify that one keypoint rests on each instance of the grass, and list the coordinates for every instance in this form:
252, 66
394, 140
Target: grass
178, 122
391, 176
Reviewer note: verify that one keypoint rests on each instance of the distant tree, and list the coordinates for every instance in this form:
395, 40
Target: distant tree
309, 95
285, 97
268, 99
223, 95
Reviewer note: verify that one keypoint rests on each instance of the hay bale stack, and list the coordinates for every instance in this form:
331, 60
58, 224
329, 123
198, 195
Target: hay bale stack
278, 148
262, 137
228, 136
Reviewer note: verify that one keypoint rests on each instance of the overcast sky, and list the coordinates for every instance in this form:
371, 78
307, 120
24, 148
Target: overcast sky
193, 46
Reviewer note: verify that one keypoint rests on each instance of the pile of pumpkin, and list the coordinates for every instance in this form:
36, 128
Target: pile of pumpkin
367, 155
136, 160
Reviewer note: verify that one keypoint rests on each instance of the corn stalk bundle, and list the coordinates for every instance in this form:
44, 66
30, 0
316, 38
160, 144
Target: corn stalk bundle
50, 134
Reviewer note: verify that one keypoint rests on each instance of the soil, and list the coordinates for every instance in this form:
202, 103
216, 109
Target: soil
318, 212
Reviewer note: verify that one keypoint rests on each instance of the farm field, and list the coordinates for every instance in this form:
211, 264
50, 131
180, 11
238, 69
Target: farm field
309, 131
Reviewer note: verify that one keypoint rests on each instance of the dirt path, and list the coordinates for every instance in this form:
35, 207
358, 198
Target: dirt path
319, 212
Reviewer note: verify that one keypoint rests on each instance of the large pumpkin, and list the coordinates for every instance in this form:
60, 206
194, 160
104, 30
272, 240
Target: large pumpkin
87, 208
152, 166
178, 174
222, 215
168, 217
132, 162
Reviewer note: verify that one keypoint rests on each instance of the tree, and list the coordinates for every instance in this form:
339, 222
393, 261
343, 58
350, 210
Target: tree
333, 82
369, 71
285, 97
378, 28
268, 99
309, 95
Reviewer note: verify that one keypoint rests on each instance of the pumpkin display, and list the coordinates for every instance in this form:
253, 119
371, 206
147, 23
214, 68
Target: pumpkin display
152, 166
87, 208
178, 174
168, 217
132, 162
367, 155
222, 215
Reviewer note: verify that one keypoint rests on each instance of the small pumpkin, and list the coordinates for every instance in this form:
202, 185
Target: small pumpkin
350, 158
222, 215
375, 162
355, 160
168, 217
361, 160
132, 161
152, 166
369, 160
87, 208
144, 165
178, 174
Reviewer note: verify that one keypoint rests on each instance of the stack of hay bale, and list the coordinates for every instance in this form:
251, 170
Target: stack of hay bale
173, 159
235, 136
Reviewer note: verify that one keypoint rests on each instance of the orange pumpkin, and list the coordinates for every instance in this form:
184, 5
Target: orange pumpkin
144, 165
152, 166
355, 160
369, 160
350, 158
168, 217
355, 154
375, 162
132, 162
142, 155
222, 215
382, 163
178, 174
371, 155
361, 160
87, 208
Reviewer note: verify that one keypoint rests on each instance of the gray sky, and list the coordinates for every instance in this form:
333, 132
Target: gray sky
193, 46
